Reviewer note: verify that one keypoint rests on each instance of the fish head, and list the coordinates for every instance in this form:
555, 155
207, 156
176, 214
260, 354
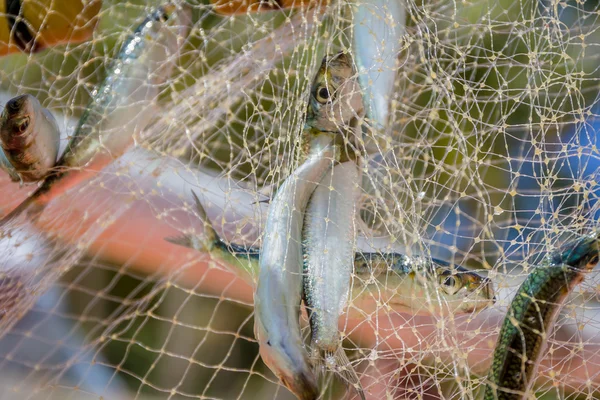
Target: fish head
440, 288
335, 95
465, 291
283, 354
18, 120
168, 30
581, 253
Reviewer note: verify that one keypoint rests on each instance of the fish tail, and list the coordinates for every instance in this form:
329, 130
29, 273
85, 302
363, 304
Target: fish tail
209, 237
345, 370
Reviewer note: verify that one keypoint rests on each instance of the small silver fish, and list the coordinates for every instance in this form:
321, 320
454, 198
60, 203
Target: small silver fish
378, 27
120, 107
279, 290
329, 238
30, 138
330, 230
412, 285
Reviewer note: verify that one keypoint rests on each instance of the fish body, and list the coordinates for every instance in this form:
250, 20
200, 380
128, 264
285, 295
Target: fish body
328, 247
29, 137
328, 243
279, 289
329, 234
531, 315
378, 28
120, 107
413, 285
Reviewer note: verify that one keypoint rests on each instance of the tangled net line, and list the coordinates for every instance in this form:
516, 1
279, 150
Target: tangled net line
489, 161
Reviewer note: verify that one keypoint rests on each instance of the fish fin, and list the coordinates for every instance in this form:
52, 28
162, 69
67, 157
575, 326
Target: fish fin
346, 371
28, 207
264, 201
182, 240
210, 235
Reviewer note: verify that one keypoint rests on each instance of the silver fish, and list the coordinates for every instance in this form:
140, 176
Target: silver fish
328, 246
378, 27
121, 106
412, 285
279, 290
30, 139
330, 231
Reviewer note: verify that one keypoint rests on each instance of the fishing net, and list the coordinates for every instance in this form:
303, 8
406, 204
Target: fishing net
489, 161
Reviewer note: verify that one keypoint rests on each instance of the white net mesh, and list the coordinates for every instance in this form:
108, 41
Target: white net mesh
488, 162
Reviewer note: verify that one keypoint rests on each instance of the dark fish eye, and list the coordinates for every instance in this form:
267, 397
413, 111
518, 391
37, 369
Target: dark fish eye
22, 127
450, 284
450, 281
323, 95
593, 260
269, 343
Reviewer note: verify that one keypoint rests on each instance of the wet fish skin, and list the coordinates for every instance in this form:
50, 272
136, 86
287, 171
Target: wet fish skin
29, 137
405, 283
531, 315
278, 293
378, 28
329, 238
120, 107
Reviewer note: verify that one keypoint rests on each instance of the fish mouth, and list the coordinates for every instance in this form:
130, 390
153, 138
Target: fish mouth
18, 105
302, 384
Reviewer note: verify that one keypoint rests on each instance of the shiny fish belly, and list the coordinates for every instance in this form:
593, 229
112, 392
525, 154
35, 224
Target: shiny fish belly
279, 289
30, 139
378, 28
328, 248
121, 106
531, 315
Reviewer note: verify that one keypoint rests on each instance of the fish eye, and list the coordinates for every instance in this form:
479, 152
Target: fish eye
593, 260
323, 95
22, 127
450, 284
269, 343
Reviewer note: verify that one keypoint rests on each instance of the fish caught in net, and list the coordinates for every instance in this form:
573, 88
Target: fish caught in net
473, 130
